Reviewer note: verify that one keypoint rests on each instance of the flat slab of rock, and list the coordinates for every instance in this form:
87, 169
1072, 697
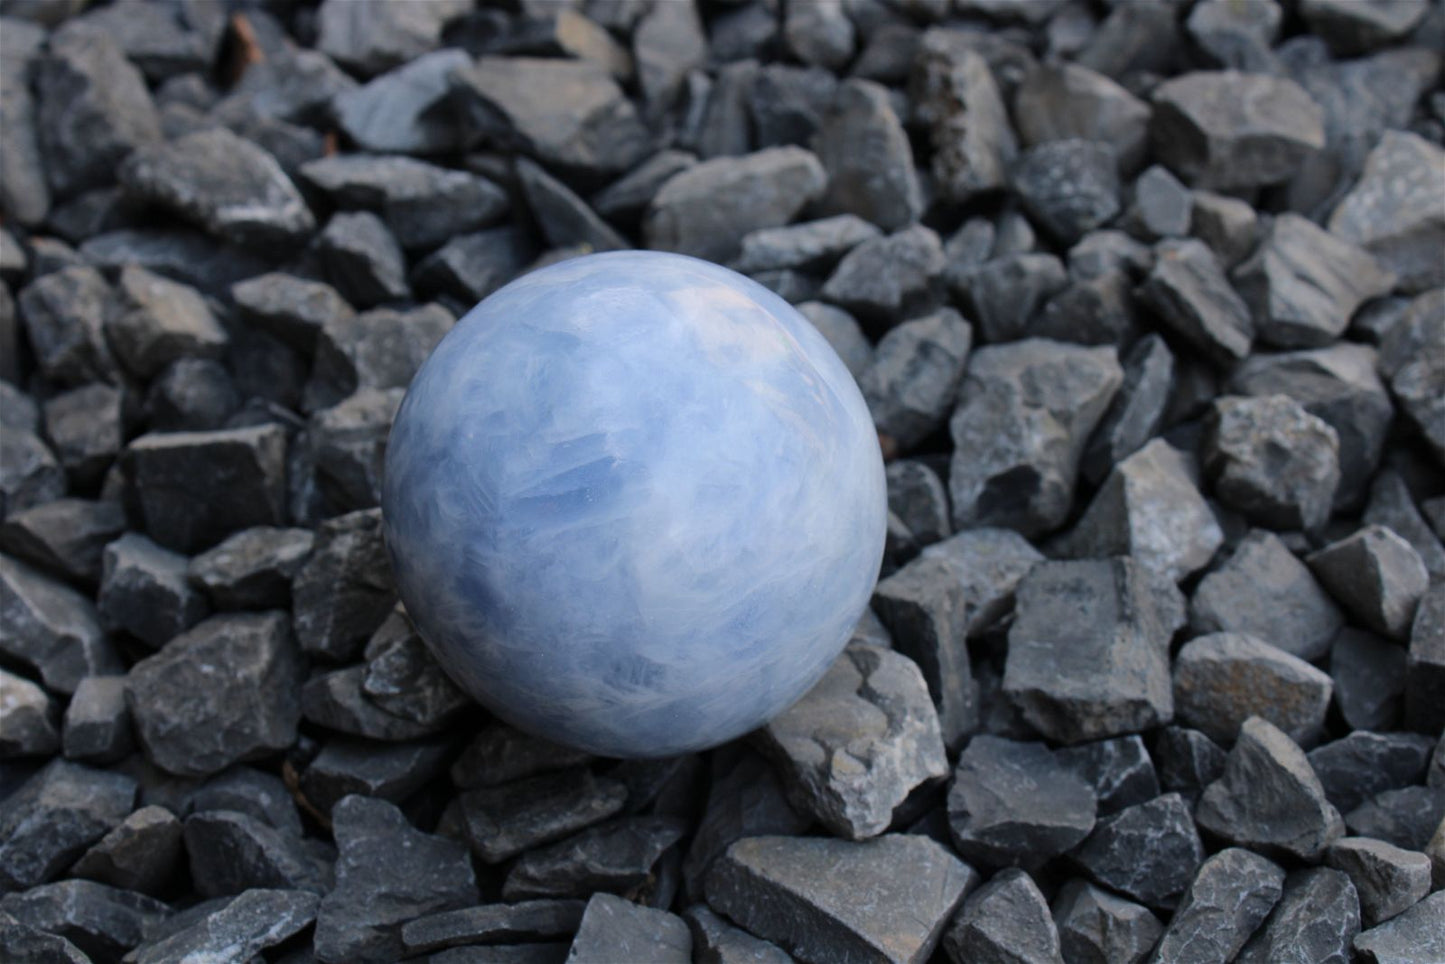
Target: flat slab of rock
532, 920
238, 931
503, 821
822, 899
617, 857
614, 929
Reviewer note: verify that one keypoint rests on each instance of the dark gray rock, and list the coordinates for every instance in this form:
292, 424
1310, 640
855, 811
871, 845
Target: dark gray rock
30, 475
472, 266
627, 196
715, 941
1264, 590
401, 111
343, 592
1237, 36
820, 34
532, 920
1226, 902
30, 726
252, 569
1375, 575
1392, 210
1007, 919
1387, 879
51, 628
1315, 920
1338, 384
236, 931
1025, 411
163, 42
1355, 28
504, 821
918, 497
1391, 505
1069, 186
192, 394
233, 852
404, 679
1413, 936
195, 488
872, 710
1065, 100
336, 700
618, 857
144, 591
64, 537
422, 204
801, 893
362, 259
1230, 130
1189, 293
787, 103
1006, 294
243, 789
913, 378
1303, 284
865, 152
188, 256
1149, 851
807, 246
1097, 927
389, 771
1109, 250
345, 446
1356, 767
227, 690
842, 333
500, 754
567, 114
87, 427
1187, 761
387, 872
1161, 207
223, 183
707, 209
139, 854
884, 279
1016, 804
956, 98
104, 922
93, 110
1223, 679
1229, 226
291, 308
1091, 311
563, 217
97, 727
1425, 668
1406, 817
1149, 508
1088, 650
54, 816
24, 191
380, 36
613, 929
1269, 797
667, 43
1134, 38
1369, 675
1119, 771
65, 314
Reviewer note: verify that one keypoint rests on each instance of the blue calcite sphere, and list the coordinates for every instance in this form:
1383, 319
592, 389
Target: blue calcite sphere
634, 503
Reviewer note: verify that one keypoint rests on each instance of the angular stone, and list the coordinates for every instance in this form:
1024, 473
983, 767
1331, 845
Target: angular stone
1376, 575
102, 921
956, 97
244, 789
500, 754
863, 148
52, 628
565, 219
1088, 650
195, 488
616, 857
344, 591
87, 427
93, 110
1190, 294
1264, 590
422, 204
1425, 668
566, 114
362, 259
1149, 851
1315, 920
1229, 226
1136, 412
1303, 284
1149, 508
345, 446
1406, 817
336, 701
714, 939
398, 112
389, 771
188, 256
97, 725
1188, 761
1338, 384
54, 816
387, 872
888, 278
1352, 28
1007, 919
1161, 207
291, 308
24, 191
65, 537
810, 245
192, 394
1062, 101
375, 349
613, 929
1069, 186
707, 209
1269, 797
139, 854
787, 103
918, 497
1016, 804
1133, 38
532, 920
404, 679
1391, 505
1393, 211
144, 591
1006, 294
1223, 679
1387, 879
29, 472
227, 690
842, 333
1119, 770
1025, 411
472, 266
252, 569
1369, 675
1228, 899
667, 43
801, 893
914, 375
162, 42
1357, 767
503, 821
232, 852
30, 724
627, 196
1413, 936
65, 314
1098, 927
1228, 130
237, 931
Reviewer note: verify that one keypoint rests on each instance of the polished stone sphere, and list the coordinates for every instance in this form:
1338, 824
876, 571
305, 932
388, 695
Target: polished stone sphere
634, 503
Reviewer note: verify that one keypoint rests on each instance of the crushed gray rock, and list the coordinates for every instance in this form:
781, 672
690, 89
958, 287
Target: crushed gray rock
865, 152
1392, 212
883, 279
1387, 879
1149, 851
1069, 186
506, 820
531, 920
1354, 768
1375, 575
65, 537
52, 629
1413, 936
1187, 289
1005, 919
139, 854
51, 818
618, 856
239, 930
1066, 100
144, 591
1223, 679
713, 939
343, 592
252, 569
97, 725
1229, 898
1315, 920
31, 725
613, 929
913, 377
1098, 926
956, 97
